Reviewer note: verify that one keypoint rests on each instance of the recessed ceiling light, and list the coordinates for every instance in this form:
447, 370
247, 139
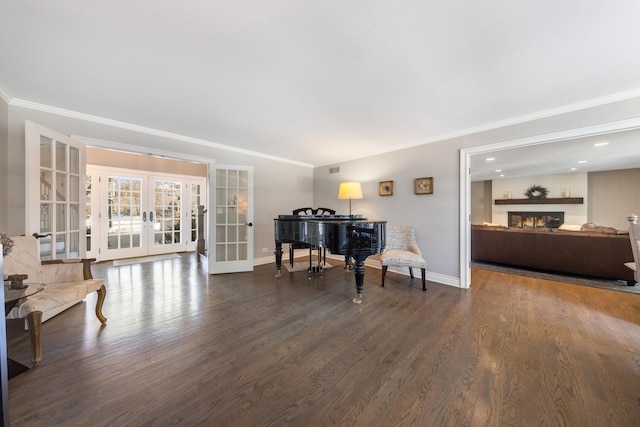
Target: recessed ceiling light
490, 159
582, 161
573, 169
501, 174
498, 170
601, 144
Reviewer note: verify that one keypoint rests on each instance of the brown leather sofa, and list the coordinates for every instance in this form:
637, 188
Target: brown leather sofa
600, 254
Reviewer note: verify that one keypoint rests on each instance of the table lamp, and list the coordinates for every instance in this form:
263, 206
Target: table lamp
350, 190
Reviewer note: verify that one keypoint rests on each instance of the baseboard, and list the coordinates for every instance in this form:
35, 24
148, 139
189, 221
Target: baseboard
432, 277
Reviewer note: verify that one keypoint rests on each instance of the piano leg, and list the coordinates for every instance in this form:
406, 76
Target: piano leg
278, 253
359, 273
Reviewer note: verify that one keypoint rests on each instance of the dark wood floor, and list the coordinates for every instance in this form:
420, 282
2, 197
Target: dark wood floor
183, 348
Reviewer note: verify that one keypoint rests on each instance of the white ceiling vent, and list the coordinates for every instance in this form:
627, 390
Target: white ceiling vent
334, 170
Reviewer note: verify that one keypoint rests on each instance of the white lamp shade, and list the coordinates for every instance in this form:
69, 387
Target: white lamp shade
350, 190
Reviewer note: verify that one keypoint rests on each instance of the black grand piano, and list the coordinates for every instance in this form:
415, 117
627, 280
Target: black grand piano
349, 235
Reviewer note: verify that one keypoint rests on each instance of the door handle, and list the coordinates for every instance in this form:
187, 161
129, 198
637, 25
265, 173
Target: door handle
150, 216
250, 224
40, 236
144, 216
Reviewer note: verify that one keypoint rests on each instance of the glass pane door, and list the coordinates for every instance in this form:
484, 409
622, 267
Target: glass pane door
233, 210
124, 213
167, 212
55, 192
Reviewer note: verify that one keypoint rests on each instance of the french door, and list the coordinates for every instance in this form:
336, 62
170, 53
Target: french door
55, 197
136, 214
233, 233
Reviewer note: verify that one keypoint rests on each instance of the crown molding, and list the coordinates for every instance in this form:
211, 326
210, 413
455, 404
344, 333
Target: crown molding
149, 131
620, 96
4, 94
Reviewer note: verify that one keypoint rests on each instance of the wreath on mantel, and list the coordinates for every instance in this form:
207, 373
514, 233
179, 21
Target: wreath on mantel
536, 192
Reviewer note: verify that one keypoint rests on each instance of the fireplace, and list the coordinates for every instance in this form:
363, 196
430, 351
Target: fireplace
535, 219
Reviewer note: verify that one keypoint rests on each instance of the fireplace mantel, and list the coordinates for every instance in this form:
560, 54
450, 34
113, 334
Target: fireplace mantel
548, 201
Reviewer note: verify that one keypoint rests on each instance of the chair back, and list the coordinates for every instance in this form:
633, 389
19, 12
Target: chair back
401, 237
24, 258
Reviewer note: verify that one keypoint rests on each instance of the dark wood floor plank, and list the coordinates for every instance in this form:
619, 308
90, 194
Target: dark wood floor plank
185, 348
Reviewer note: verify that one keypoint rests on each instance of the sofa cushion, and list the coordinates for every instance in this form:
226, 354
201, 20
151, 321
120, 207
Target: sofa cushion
570, 227
54, 296
402, 259
591, 227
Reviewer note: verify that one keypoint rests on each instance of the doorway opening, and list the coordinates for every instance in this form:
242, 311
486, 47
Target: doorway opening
465, 175
140, 213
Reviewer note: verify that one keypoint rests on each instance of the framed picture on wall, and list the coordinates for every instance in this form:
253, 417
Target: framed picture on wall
424, 185
385, 188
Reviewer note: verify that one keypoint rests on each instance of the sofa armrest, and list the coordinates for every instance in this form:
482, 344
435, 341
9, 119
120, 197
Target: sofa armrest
73, 263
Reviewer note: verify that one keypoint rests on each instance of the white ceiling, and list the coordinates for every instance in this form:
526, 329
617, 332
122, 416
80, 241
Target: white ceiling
617, 150
317, 81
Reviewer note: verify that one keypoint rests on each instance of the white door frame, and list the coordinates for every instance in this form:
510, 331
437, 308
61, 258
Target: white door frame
465, 175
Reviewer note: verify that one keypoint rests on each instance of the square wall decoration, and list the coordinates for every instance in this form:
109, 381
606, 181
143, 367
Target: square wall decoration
424, 185
385, 188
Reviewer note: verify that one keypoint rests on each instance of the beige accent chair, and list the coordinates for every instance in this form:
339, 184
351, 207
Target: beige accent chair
634, 236
401, 250
68, 281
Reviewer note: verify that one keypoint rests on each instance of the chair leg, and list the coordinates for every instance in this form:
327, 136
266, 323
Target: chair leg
384, 272
34, 320
424, 284
291, 255
411, 272
102, 293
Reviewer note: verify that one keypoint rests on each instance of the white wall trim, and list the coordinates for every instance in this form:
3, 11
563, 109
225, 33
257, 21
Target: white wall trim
136, 149
149, 131
616, 97
432, 277
4, 94
601, 129
465, 176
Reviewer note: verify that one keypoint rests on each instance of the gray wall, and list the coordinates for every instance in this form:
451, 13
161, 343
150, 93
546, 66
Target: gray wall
437, 216
280, 187
4, 165
433, 215
481, 202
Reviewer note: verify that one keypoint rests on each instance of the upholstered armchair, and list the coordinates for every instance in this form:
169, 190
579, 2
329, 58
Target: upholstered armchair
634, 236
401, 250
67, 281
